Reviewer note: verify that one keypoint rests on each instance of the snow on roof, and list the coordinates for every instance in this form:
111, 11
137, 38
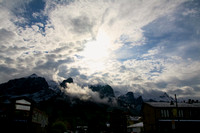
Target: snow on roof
140, 124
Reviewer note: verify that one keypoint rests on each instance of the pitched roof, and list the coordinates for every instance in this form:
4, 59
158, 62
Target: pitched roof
140, 124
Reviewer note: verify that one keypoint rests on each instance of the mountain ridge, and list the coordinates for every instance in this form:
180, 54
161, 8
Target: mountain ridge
34, 83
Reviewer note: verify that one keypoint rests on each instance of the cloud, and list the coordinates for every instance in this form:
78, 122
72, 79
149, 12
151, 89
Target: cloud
83, 93
185, 90
81, 25
15, 5
141, 45
5, 34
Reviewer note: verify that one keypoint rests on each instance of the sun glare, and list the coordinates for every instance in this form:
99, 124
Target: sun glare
96, 52
97, 49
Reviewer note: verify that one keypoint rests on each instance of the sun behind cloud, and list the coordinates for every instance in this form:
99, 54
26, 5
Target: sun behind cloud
99, 48
97, 51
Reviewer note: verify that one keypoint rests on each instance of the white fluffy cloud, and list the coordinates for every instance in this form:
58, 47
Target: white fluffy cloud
83, 93
99, 42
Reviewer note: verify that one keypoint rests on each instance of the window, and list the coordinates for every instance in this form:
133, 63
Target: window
174, 112
164, 113
180, 113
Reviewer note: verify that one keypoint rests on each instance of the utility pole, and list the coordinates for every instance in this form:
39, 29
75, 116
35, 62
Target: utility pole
176, 102
177, 112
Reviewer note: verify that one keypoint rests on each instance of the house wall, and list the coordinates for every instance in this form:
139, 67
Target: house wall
19, 119
170, 119
149, 118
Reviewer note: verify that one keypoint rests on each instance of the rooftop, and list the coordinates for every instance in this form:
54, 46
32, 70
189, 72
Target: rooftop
168, 104
140, 124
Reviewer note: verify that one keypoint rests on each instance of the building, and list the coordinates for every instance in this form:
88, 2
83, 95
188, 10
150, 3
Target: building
170, 117
133, 119
134, 124
20, 115
135, 128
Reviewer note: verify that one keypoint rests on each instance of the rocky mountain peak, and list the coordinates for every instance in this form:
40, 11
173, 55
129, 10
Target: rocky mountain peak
166, 97
63, 84
33, 76
127, 98
32, 86
104, 90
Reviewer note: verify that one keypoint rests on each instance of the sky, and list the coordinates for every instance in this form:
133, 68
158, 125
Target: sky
142, 46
